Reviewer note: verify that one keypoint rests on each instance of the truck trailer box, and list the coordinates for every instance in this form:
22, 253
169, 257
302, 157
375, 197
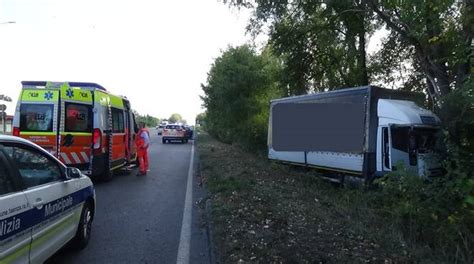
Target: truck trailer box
349, 130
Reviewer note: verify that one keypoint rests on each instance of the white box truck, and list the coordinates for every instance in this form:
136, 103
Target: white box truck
364, 132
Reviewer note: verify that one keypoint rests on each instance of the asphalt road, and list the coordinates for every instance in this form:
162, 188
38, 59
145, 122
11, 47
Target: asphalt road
139, 219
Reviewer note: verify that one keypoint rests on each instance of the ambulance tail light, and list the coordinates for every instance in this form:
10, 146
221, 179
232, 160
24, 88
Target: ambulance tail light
16, 131
97, 138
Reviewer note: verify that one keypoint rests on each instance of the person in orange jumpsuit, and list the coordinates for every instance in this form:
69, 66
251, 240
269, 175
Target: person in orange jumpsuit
142, 142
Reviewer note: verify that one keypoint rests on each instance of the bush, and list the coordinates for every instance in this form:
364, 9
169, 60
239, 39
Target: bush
429, 212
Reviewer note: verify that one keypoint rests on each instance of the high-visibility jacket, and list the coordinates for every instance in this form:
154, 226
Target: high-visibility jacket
141, 144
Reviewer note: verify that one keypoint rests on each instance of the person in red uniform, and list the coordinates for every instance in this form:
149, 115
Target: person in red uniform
142, 141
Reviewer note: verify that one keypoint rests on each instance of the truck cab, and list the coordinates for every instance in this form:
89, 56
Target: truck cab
406, 135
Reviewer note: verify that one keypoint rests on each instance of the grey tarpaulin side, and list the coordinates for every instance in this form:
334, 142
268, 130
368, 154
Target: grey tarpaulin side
366, 96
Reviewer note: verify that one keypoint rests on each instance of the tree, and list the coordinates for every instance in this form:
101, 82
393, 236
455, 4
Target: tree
440, 33
201, 119
239, 87
323, 44
150, 121
174, 118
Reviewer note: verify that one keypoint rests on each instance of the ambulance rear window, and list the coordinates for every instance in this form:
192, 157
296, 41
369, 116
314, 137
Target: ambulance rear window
36, 117
78, 118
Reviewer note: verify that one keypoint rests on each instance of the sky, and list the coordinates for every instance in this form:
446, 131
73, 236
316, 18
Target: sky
156, 53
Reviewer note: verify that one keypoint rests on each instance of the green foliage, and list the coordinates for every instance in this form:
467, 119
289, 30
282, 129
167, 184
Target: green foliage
239, 87
322, 44
174, 118
150, 121
201, 119
429, 213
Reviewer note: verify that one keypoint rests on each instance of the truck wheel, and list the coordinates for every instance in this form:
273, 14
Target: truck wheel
163, 141
185, 141
83, 234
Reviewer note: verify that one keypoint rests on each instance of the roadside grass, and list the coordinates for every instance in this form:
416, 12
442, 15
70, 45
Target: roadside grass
263, 212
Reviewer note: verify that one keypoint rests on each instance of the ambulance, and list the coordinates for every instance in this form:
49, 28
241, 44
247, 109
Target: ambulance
82, 124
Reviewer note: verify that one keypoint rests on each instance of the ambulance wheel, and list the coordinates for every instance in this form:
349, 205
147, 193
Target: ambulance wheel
83, 234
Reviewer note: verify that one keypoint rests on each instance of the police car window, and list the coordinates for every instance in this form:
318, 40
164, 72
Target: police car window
117, 121
78, 118
6, 185
36, 117
35, 168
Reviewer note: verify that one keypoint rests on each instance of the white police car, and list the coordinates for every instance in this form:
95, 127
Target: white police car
43, 204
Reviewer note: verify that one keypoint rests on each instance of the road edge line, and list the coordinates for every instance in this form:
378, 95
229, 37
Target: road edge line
184, 247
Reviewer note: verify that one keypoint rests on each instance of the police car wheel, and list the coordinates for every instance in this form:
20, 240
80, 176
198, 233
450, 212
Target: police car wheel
84, 229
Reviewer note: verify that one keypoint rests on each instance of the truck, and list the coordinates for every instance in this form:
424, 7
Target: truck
82, 124
362, 132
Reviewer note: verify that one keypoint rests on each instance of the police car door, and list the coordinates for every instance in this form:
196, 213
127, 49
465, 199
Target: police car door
54, 211
15, 234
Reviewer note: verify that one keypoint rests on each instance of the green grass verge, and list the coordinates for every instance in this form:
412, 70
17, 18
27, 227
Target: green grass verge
263, 212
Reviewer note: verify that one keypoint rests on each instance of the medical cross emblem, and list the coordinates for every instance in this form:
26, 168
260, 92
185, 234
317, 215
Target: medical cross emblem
69, 93
48, 95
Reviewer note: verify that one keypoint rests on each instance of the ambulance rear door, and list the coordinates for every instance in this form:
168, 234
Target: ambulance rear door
130, 132
76, 127
36, 118
119, 137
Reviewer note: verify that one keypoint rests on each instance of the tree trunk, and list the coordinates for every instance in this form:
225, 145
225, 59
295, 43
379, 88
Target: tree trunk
364, 78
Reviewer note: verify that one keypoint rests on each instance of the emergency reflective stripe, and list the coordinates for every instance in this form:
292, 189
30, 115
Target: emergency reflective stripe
40, 95
74, 157
76, 94
38, 133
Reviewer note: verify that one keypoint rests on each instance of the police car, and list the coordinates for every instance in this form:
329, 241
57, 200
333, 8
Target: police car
43, 203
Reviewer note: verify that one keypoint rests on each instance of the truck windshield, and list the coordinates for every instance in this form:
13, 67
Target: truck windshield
423, 139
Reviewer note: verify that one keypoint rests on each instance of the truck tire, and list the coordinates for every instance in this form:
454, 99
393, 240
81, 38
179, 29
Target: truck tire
163, 141
84, 229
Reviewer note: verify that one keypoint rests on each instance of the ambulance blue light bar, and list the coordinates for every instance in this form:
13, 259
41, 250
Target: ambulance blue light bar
72, 84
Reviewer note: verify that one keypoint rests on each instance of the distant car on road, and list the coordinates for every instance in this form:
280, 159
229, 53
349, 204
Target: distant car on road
160, 128
189, 132
174, 132
43, 204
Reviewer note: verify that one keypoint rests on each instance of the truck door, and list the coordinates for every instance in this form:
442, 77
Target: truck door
386, 150
400, 147
75, 147
38, 118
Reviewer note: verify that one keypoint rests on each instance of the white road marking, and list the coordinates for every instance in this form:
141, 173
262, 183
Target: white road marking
185, 238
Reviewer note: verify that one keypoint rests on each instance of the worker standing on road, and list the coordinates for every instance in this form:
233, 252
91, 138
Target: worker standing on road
142, 141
